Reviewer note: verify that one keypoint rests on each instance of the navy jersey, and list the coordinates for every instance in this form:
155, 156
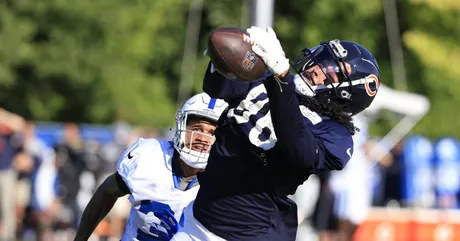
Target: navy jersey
263, 151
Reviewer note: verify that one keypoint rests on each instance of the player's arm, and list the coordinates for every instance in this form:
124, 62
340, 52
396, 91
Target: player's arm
300, 146
294, 137
218, 86
101, 203
297, 140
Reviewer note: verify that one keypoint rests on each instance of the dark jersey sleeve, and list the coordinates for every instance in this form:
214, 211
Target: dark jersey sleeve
335, 145
121, 184
318, 146
218, 86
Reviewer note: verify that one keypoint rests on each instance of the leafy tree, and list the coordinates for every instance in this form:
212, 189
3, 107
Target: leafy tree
432, 38
91, 61
101, 60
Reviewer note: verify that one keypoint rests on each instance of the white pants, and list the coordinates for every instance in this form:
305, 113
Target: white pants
193, 230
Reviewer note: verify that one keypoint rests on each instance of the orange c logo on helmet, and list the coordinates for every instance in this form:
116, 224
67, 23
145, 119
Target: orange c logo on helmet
369, 80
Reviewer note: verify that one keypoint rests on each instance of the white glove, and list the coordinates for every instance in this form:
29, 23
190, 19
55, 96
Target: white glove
268, 47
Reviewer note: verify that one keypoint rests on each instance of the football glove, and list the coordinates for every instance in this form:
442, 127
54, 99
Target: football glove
268, 47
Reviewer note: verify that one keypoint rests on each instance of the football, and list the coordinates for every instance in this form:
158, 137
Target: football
231, 53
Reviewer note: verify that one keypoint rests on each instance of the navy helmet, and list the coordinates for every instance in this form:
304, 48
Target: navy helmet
338, 70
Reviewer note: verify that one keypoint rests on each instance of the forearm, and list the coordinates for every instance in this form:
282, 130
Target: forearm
97, 208
294, 137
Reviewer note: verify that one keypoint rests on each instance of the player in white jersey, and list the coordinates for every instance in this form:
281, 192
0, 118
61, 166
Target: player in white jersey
158, 175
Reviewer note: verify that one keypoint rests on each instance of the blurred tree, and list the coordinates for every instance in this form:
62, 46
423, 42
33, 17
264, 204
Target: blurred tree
101, 60
305, 23
432, 37
217, 14
91, 61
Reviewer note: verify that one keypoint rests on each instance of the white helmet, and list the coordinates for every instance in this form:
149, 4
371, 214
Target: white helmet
203, 106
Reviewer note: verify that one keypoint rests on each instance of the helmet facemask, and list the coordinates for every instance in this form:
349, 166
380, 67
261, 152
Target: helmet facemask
325, 63
184, 139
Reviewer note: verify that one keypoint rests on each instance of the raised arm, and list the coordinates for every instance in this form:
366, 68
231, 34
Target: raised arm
328, 149
295, 139
295, 135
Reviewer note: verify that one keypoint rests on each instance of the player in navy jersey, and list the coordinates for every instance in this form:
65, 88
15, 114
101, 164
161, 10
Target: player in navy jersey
275, 134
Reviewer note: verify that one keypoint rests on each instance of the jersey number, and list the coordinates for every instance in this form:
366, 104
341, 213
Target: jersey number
254, 116
168, 225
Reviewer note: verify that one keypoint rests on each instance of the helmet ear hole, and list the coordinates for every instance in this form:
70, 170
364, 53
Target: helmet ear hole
345, 94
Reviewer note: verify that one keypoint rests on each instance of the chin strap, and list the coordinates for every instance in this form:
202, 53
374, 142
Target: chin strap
194, 160
280, 82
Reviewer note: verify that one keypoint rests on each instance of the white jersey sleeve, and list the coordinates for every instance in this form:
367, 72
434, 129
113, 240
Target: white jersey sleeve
141, 164
127, 164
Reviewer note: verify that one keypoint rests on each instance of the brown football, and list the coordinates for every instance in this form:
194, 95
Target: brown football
232, 55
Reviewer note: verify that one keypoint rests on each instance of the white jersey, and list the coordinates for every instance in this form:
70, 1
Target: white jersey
147, 171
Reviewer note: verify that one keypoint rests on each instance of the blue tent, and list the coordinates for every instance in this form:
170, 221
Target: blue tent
447, 174
417, 173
